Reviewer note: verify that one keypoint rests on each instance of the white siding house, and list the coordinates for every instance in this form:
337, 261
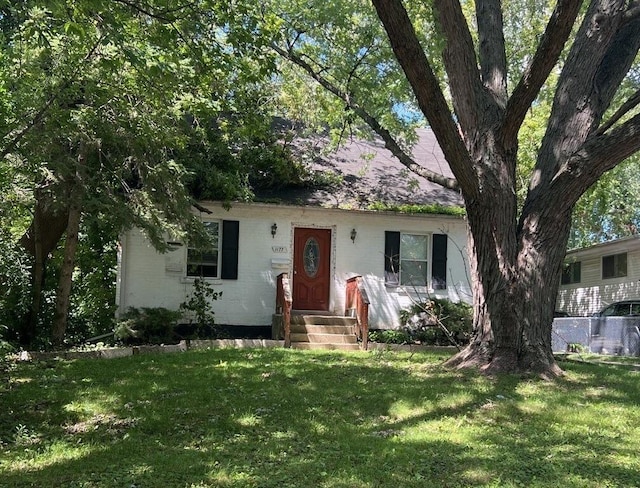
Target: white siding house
596, 276
328, 234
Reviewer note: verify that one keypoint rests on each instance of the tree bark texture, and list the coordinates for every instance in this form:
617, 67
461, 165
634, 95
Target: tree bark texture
65, 279
517, 256
40, 240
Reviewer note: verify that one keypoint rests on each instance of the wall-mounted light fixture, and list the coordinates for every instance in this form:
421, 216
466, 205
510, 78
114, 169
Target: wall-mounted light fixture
274, 230
354, 233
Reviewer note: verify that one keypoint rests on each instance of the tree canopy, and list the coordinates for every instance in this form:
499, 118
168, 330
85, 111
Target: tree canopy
526, 99
120, 114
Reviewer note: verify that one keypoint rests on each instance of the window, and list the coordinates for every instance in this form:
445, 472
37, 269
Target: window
614, 266
571, 273
205, 262
413, 259
416, 260
221, 259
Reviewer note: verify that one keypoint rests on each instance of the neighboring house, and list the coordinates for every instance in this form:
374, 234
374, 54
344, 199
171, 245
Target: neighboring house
321, 238
596, 276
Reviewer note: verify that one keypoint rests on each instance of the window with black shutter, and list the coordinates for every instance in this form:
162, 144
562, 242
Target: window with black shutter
439, 262
392, 258
407, 260
220, 259
230, 242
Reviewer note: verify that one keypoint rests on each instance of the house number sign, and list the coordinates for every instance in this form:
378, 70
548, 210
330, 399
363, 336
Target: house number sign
279, 249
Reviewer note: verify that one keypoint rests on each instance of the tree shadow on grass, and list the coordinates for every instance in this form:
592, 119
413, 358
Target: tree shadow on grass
241, 418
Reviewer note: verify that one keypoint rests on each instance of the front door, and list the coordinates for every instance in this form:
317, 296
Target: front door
311, 266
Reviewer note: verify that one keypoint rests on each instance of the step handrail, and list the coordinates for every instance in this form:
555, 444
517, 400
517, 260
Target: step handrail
357, 301
284, 303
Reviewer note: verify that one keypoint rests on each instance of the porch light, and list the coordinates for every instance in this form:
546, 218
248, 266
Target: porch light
274, 229
354, 233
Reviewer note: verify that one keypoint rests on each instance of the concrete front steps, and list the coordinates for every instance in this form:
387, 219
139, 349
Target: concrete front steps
318, 331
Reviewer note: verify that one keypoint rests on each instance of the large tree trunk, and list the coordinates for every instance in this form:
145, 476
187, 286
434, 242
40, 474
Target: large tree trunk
38, 267
515, 269
65, 279
514, 289
40, 239
516, 262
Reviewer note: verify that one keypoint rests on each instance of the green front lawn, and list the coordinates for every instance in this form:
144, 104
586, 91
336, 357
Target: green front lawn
285, 418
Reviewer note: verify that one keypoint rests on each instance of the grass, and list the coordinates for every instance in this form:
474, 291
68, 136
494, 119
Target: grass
284, 418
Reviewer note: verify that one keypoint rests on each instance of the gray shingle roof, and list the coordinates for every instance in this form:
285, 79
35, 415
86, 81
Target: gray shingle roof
365, 173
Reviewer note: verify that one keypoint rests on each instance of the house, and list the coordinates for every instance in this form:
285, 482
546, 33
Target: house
320, 238
595, 276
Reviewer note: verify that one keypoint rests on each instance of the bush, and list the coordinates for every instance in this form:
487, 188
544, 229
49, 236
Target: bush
6, 363
389, 336
147, 325
199, 306
421, 321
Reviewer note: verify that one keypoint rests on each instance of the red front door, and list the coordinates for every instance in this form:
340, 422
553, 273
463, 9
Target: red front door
311, 266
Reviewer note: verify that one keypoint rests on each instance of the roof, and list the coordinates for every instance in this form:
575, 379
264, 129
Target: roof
363, 173
617, 245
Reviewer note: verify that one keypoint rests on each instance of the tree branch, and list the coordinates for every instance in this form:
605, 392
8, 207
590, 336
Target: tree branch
389, 142
626, 107
39, 115
599, 154
460, 61
199, 207
600, 57
493, 58
633, 12
549, 49
616, 63
161, 15
425, 86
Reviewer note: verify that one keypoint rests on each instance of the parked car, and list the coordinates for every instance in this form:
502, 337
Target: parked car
624, 308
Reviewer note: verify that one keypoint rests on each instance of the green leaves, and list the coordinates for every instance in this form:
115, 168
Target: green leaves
163, 93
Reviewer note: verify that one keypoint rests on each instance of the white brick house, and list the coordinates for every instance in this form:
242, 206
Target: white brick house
320, 238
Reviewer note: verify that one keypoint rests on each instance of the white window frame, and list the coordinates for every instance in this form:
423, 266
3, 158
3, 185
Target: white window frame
191, 261
426, 260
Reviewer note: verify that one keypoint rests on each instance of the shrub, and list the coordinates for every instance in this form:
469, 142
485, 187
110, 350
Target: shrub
389, 336
153, 325
421, 321
6, 362
200, 307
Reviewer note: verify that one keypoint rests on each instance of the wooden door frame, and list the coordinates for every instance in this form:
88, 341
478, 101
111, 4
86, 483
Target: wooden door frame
332, 255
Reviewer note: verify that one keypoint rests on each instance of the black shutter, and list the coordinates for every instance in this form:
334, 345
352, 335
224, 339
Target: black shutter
230, 238
392, 258
439, 262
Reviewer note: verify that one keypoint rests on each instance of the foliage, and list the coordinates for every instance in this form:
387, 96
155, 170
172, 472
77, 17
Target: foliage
14, 294
199, 304
147, 325
93, 307
390, 336
164, 99
6, 362
610, 209
313, 418
419, 209
421, 321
